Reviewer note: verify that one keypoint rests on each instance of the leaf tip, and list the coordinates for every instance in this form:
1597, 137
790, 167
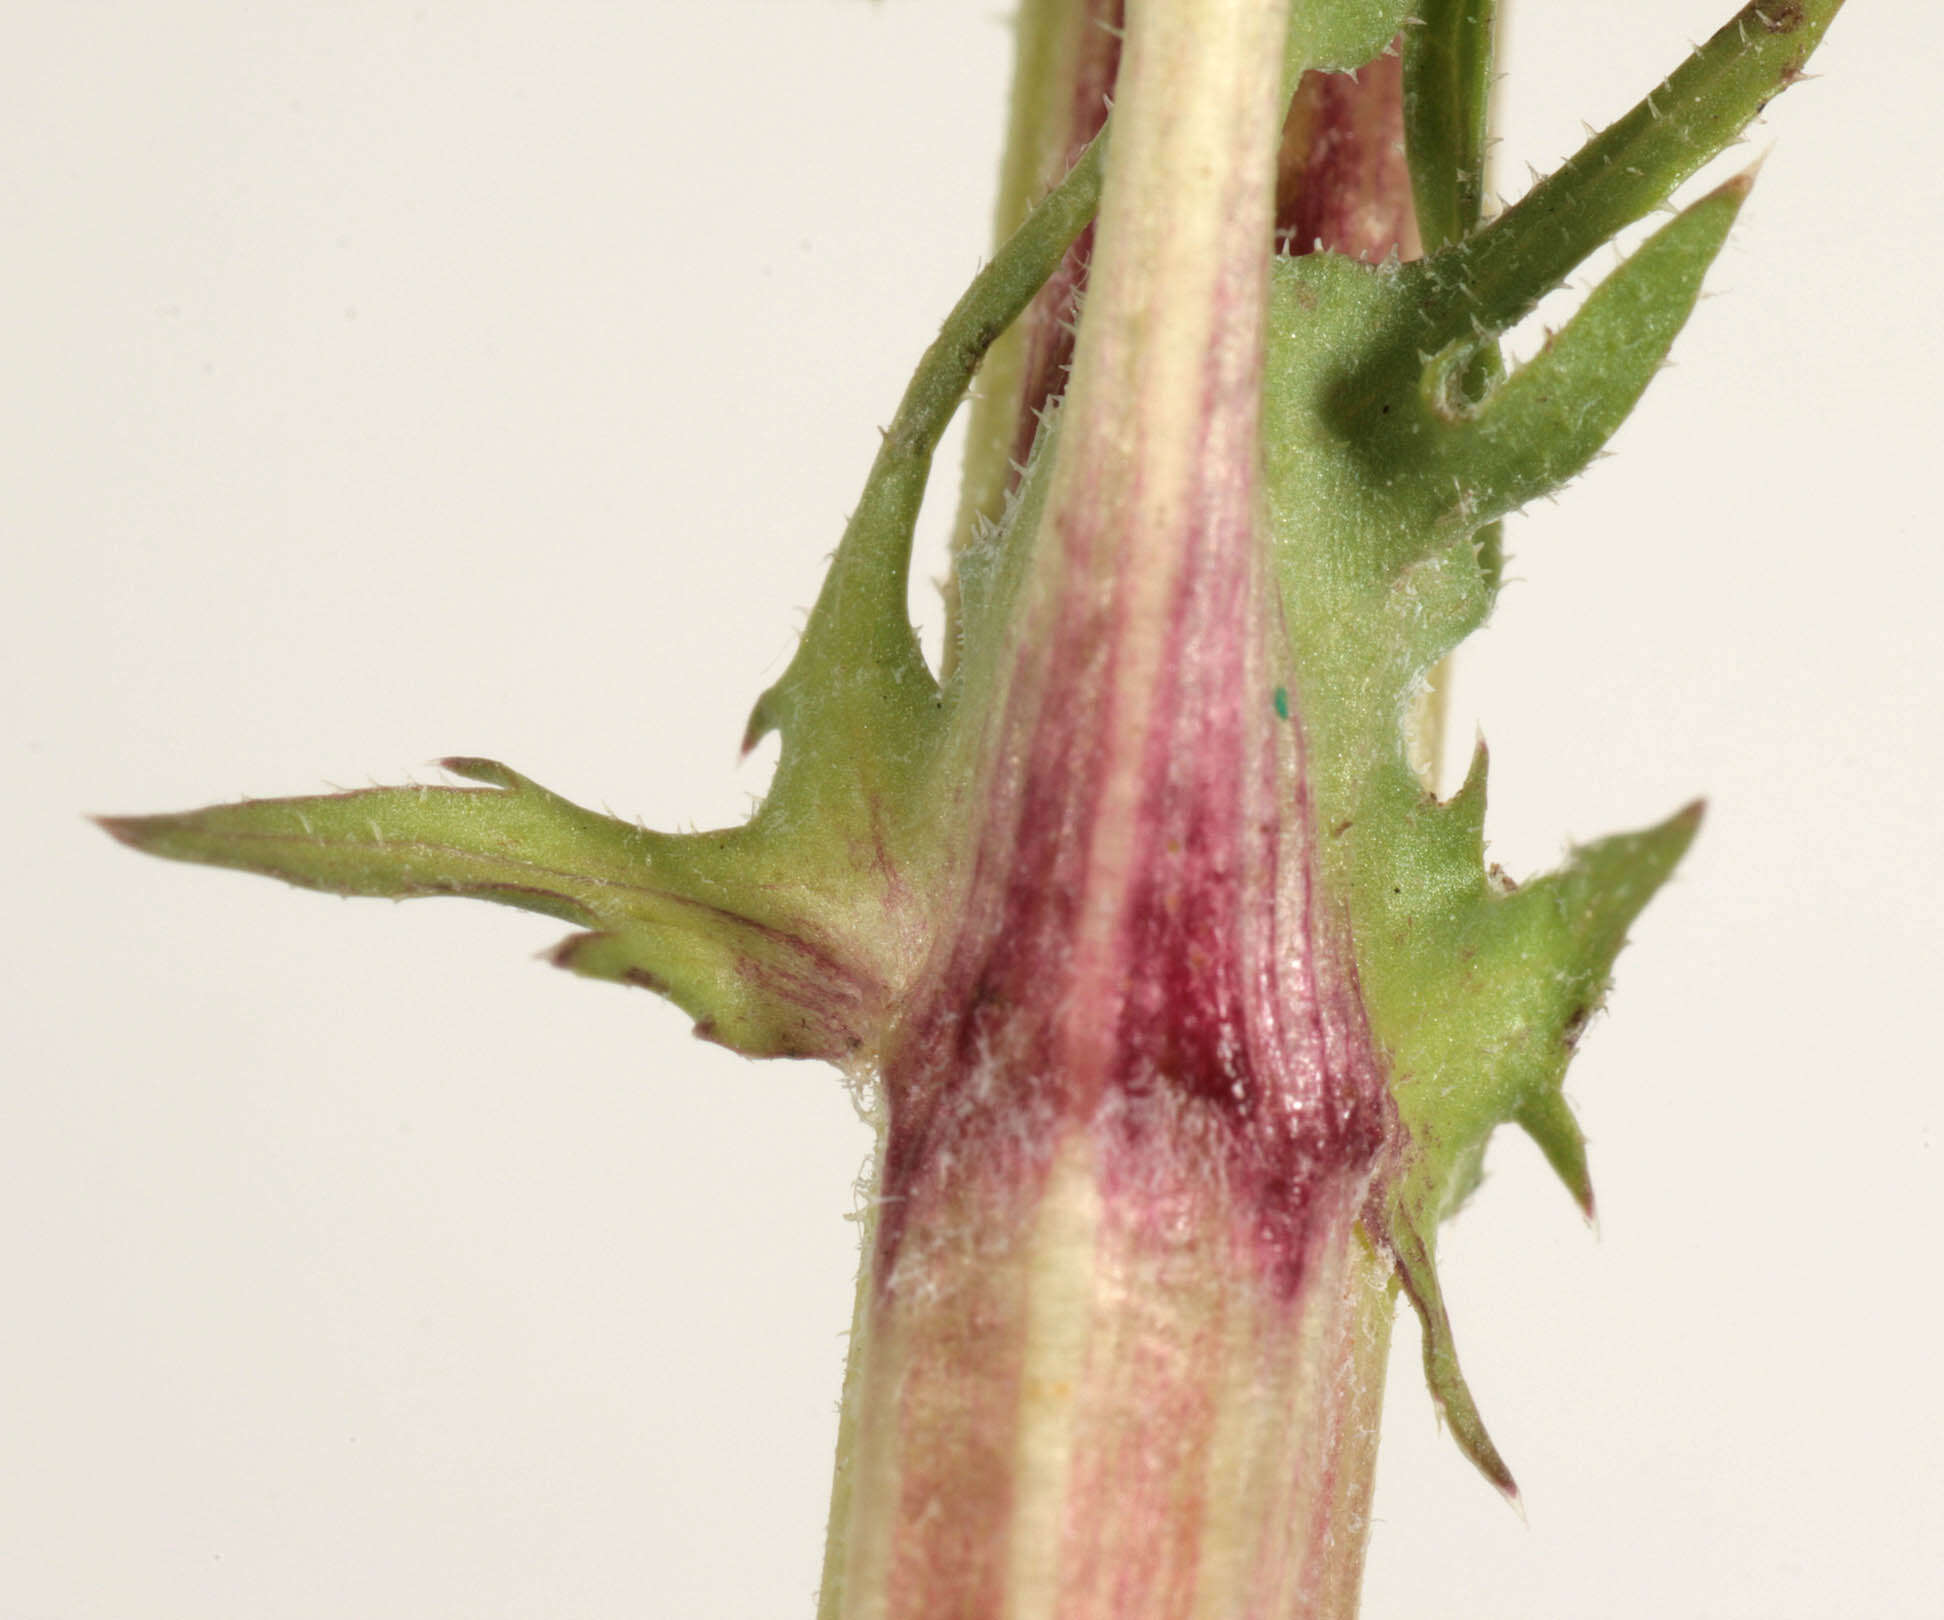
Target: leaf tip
129, 830
1451, 1395
1455, 1405
604, 954
1658, 850
1471, 792
1737, 186
148, 835
1549, 1121
489, 771
762, 721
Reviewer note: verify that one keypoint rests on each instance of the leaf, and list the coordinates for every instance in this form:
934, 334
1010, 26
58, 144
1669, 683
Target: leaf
1500, 986
680, 915
1538, 428
1480, 994
857, 707
780, 937
1410, 1251
1549, 1121
512, 841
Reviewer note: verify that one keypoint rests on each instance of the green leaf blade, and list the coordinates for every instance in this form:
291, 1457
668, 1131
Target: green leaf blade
1549, 1120
760, 992
1411, 1250
857, 708
384, 843
698, 919
1537, 429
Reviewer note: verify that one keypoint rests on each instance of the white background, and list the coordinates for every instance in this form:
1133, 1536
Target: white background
386, 381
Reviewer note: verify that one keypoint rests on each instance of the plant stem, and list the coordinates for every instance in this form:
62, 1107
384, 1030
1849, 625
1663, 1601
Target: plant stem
1119, 1340
1066, 59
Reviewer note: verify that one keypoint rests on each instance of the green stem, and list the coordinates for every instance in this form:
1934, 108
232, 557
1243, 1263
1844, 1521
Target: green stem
1447, 136
1067, 52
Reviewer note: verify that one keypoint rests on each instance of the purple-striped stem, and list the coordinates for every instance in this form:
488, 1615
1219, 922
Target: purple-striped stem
1120, 1340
